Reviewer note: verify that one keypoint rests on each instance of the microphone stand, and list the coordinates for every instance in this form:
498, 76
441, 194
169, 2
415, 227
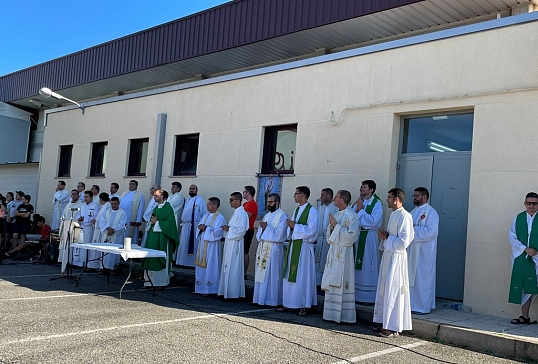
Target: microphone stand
70, 240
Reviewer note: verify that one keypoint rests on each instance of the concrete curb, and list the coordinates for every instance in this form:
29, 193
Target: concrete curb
482, 341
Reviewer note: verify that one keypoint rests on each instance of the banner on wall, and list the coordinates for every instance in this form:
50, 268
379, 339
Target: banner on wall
267, 184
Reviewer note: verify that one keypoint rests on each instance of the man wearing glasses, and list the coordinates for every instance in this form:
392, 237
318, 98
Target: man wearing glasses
268, 271
299, 273
523, 238
81, 186
232, 280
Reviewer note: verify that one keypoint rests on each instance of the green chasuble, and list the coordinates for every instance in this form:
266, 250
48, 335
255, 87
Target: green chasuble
524, 270
362, 236
295, 247
166, 241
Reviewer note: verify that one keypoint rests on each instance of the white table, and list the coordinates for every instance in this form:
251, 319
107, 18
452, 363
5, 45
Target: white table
136, 252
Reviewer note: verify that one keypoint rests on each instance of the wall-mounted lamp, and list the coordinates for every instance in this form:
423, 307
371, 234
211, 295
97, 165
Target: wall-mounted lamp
47, 92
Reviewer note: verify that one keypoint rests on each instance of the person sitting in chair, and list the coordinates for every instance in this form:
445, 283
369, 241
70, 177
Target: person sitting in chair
42, 229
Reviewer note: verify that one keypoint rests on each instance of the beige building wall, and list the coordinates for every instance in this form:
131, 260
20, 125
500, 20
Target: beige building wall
481, 72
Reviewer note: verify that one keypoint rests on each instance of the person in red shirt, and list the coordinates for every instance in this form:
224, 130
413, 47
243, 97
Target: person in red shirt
251, 207
42, 228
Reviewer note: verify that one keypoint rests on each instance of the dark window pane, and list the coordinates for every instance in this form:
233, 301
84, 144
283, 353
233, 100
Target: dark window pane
64, 164
138, 154
186, 155
438, 134
279, 149
98, 160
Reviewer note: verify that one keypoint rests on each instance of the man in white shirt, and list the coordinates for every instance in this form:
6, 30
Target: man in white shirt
194, 208
176, 200
81, 186
112, 223
95, 190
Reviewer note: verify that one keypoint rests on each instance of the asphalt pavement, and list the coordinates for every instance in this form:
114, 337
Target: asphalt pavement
46, 321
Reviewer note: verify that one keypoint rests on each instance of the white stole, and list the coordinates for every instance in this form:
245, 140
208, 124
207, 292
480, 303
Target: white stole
134, 211
414, 248
263, 253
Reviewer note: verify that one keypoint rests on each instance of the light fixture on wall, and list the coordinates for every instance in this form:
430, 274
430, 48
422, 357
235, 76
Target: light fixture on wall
47, 92
436, 147
38, 103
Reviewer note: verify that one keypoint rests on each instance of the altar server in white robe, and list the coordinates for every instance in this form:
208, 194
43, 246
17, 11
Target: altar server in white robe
299, 269
86, 218
61, 198
195, 208
392, 305
270, 253
113, 223
133, 202
149, 211
322, 246
208, 256
68, 227
177, 201
96, 190
104, 204
81, 187
232, 279
369, 211
339, 275
422, 253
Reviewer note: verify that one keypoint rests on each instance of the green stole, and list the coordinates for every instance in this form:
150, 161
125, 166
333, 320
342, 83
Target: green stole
362, 236
295, 247
524, 270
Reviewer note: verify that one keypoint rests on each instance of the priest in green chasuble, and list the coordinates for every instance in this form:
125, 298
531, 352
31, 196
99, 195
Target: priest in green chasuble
524, 241
162, 236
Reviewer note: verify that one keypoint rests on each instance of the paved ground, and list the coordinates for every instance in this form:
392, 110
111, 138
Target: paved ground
45, 321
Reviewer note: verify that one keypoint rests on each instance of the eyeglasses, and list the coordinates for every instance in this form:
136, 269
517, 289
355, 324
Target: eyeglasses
529, 203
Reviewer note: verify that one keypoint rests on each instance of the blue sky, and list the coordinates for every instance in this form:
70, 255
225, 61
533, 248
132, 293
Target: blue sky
36, 31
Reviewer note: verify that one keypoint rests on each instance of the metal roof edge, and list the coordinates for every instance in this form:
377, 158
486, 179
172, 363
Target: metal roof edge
400, 43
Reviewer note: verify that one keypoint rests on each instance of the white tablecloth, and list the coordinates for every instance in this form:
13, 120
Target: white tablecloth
135, 252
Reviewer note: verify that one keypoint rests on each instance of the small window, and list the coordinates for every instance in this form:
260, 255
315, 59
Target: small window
186, 155
438, 134
279, 149
98, 159
64, 162
138, 157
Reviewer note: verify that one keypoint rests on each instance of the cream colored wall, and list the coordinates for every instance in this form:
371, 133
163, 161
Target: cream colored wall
474, 71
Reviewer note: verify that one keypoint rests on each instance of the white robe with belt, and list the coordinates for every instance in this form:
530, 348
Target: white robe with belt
392, 305
116, 219
366, 278
200, 209
322, 246
207, 279
61, 198
232, 280
422, 254
269, 259
339, 275
127, 202
303, 292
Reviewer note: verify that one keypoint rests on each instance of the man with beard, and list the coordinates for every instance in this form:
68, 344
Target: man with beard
195, 208
162, 236
422, 253
268, 271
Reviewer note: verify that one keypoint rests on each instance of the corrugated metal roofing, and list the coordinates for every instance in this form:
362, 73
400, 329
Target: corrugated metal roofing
236, 35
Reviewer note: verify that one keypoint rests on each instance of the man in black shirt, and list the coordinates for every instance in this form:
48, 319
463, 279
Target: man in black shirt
22, 224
